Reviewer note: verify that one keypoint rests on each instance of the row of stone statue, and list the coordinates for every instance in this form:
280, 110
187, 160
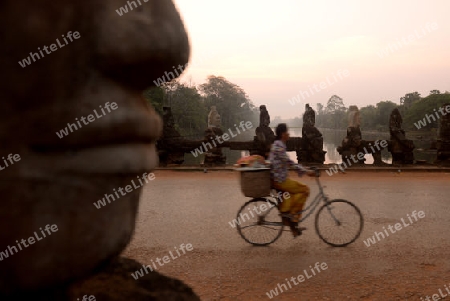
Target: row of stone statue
309, 147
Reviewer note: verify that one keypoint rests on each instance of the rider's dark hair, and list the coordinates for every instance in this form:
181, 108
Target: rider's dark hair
281, 128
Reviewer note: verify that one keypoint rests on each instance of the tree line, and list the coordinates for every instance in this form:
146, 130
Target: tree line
413, 107
191, 104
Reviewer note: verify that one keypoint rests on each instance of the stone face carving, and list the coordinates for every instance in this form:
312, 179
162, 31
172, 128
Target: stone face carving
57, 180
214, 118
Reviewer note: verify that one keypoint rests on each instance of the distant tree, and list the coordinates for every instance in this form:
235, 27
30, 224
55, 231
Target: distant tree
383, 114
320, 111
368, 117
337, 112
409, 99
435, 92
188, 110
428, 105
231, 101
155, 96
335, 104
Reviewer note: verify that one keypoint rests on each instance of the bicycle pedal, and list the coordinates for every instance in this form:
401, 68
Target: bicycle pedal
286, 215
299, 233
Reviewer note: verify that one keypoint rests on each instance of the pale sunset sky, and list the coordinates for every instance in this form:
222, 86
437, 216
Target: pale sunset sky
275, 49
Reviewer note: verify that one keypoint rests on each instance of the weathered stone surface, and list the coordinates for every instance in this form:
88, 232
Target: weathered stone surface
264, 134
354, 148
58, 179
400, 147
170, 141
312, 146
309, 117
308, 148
213, 154
115, 283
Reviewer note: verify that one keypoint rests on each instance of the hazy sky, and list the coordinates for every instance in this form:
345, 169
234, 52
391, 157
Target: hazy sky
278, 50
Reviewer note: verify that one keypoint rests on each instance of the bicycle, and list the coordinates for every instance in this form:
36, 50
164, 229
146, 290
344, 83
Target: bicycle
339, 213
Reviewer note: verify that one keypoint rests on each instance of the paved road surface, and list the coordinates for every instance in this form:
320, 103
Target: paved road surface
196, 208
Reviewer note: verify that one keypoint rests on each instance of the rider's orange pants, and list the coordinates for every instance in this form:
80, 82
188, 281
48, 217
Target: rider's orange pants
298, 193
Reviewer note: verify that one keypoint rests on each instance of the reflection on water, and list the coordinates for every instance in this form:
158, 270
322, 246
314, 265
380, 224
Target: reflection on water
332, 139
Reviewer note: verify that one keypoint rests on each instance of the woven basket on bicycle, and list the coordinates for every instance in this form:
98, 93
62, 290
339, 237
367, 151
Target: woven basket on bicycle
255, 182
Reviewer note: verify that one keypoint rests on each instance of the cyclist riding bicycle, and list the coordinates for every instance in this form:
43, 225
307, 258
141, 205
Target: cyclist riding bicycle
298, 192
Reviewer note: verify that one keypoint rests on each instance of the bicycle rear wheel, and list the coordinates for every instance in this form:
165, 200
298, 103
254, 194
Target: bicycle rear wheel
339, 223
259, 222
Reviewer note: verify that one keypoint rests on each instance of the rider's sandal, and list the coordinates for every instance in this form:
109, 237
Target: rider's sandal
296, 230
286, 220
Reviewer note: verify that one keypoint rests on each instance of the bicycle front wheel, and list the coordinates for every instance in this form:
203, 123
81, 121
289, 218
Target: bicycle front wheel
259, 222
339, 223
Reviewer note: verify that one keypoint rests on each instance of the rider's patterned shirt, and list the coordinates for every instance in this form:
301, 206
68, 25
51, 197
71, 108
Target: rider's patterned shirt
281, 162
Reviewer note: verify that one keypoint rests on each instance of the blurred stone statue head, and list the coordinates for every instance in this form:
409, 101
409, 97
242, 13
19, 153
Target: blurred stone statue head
58, 178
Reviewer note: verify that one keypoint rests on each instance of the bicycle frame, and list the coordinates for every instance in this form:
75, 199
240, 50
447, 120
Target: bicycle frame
275, 224
311, 207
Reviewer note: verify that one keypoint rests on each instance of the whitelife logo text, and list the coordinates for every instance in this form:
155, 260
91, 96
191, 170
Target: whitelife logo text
49, 49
